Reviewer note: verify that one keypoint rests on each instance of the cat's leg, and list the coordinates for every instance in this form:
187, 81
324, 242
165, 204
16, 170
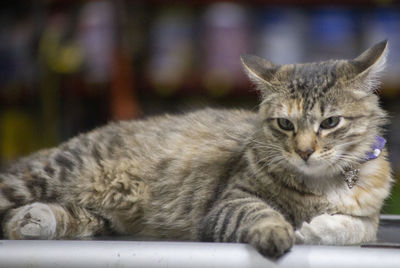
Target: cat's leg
337, 229
51, 221
248, 220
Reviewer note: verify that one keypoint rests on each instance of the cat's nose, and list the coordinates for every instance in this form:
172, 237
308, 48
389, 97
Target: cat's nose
305, 154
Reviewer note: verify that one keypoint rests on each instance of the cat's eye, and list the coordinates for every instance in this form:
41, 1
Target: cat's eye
330, 122
285, 124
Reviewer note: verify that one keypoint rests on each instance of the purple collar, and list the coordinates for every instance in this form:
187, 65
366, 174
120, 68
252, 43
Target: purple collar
351, 175
376, 148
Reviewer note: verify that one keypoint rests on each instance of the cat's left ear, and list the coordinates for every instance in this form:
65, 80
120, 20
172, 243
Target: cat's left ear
259, 70
370, 64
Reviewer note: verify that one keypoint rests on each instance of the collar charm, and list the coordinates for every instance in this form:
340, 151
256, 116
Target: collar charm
351, 176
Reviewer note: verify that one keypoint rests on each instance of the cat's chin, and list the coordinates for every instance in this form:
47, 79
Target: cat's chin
313, 169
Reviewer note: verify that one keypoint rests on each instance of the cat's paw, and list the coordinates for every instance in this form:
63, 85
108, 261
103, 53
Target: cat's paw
325, 230
33, 221
308, 235
271, 239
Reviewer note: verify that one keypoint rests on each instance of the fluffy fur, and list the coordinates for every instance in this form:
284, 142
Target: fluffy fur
221, 175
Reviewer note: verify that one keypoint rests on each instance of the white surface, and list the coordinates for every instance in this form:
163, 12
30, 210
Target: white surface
30, 253
343, 257
54, 254
61, 253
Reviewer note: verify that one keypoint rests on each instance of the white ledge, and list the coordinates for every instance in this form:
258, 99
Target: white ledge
67, 253
117, 253
62, 253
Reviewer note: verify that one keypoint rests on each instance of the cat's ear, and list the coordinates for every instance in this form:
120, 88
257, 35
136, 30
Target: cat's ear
259, 70
370, 64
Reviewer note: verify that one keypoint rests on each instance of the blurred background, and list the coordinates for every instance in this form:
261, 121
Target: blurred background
69, 66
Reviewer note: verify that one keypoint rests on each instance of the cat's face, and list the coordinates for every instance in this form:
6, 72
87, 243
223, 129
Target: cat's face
319, 118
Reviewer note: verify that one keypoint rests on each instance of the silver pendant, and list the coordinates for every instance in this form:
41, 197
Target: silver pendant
351, 177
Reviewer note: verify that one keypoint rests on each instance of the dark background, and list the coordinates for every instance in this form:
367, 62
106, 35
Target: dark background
69, 66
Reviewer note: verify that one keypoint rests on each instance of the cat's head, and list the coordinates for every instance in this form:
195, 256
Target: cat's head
319, 117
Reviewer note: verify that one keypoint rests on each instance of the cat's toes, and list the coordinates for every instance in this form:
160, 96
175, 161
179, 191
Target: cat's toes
271, 239
322, 230
33, 221
307, 235
300, 239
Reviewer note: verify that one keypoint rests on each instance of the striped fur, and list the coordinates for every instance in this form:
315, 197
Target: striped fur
219, 175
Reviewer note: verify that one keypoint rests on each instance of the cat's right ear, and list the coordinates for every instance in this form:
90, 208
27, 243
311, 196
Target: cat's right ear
372, 61
367, 67
259, 70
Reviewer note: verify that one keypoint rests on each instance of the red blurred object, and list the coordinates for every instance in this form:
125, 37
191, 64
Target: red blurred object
123, 103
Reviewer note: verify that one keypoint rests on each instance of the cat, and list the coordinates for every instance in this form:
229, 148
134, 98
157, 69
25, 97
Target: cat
295, 171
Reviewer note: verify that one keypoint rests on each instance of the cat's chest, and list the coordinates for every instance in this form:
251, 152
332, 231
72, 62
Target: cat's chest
366, 196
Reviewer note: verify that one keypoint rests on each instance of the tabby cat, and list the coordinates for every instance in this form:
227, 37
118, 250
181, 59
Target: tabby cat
295, 171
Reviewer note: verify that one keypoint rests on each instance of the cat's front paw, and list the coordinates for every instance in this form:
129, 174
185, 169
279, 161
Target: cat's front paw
328, 230
337, 229
33, 221
308, 235
271, 239
322, 230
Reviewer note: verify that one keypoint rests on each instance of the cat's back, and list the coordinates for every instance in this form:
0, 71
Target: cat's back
208, 120
194, 132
